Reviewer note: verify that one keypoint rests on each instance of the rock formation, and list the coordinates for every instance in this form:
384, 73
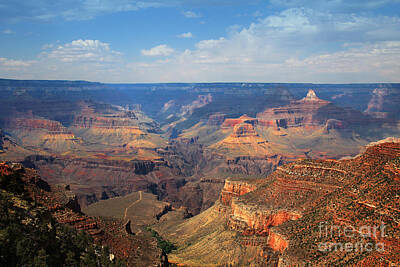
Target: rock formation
297, 113
311, 112
233, 189
62, 204
284, 217
91, 178
216, 119
243, 141
201, 101
333, 124
384, 103
42, 133
109, 125
244, 130
232, 122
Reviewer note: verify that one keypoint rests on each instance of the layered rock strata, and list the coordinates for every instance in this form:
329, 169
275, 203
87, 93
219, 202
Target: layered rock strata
232, 122
296, 216
309, 113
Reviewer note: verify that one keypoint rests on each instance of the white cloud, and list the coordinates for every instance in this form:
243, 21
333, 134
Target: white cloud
78, 60
8, 31
14, 64
185, 35
295, 45
160, 50
368, 62
83, 50
191, 14
209, 44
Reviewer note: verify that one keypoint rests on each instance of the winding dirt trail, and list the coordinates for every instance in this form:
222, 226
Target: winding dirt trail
133, 203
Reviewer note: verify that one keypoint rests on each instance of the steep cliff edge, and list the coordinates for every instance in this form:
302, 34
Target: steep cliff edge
235, 188
113, 125
310, 112
304, 128
297, 113
10, 150
50, 211
297, 215
384, 103
95, 179
243, 141
41, 133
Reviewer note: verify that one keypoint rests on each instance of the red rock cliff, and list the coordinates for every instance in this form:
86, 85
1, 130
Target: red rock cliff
234, 189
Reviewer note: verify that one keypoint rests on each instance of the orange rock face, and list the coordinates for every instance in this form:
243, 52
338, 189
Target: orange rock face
277, 242
4, 169
244, 130
234, 189
30, 124
64, 208
40, 132
230, 123
253, 220
297, 113
89, 118
216, 119
287, 208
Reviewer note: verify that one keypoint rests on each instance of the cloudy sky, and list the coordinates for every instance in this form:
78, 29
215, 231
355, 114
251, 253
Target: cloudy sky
324, 41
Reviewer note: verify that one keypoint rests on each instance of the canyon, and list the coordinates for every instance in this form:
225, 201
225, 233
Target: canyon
277, 220
60, 207
244, 170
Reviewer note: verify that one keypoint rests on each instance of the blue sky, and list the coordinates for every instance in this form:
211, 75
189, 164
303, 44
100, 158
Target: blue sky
325, 41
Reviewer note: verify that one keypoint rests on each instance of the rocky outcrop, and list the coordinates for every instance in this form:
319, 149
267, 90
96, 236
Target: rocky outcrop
90, 119
168, 105
201, 101
42, 133
95, 116
243, 141
233, 188
4, 169
244, 130
113, 125
253, 165
232, 122
32, 124
301, 194
297, 113
303, 205
333, 124
216, 119
311, 112
384, 103
94, 179
26, 124
61, 204
256, 220
242, 134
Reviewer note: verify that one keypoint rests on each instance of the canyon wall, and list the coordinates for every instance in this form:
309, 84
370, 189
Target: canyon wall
282, 219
